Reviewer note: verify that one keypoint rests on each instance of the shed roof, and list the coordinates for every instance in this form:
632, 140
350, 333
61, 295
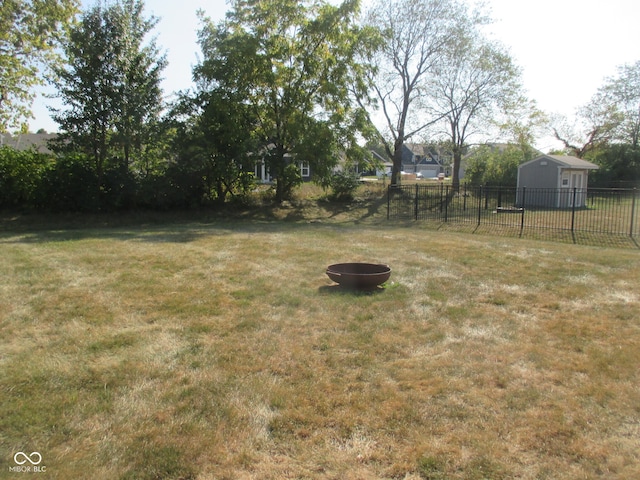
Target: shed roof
567, 161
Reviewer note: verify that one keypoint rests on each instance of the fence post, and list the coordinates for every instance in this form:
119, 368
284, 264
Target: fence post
464, 198
480, 204
524, 191
573, 209
446, 206
388, 200
486, 200
416, 203
633, 211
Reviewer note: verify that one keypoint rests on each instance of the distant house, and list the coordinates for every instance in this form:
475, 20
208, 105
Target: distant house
384, 165
550, 181
422, 159
262, 174
27, 141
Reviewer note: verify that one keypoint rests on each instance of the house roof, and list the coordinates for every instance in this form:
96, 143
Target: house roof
566, 161
379, 157
574, 162
27, 141
419, 154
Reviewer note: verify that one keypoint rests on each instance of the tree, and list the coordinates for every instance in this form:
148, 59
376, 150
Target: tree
495, 165
618, 104
292, 63
473, 85
212, 144
587, 134
612, 116
619, 166
30, 33
416, 34
110, 85
139, 89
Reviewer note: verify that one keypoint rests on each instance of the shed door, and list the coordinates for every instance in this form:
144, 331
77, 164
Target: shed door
574, 179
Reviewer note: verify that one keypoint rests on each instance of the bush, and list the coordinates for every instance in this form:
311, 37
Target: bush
20, 177
69, 185
495, 167
343, 185
185, 186
290, 179
119, 189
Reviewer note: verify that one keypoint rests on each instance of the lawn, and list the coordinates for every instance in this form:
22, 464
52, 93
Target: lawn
219, 349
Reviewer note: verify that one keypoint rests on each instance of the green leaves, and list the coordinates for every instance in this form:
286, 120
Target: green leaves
495, 165
616, 105
111, 85
30, 32
610, 119
294, 65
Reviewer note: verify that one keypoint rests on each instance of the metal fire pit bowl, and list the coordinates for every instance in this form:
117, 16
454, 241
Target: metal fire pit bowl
359, 275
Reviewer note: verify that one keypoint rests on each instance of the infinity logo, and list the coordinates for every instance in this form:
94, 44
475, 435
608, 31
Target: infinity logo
27, 458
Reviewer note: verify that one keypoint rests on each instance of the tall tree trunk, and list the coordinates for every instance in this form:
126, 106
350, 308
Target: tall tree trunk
277, 166
396, 171
280, 188
455, 174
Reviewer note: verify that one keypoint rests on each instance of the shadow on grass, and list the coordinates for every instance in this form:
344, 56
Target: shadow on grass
189, 226
336, 289
59, 236
180, 226
153, 227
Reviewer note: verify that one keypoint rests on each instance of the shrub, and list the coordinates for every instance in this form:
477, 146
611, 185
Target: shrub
290, 179
495, 167
20, 176
343, 185
69, 184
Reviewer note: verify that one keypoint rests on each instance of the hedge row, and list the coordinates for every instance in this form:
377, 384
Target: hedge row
38, 182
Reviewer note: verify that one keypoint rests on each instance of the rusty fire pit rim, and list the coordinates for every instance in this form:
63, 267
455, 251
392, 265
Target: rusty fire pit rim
384, 268
346, 274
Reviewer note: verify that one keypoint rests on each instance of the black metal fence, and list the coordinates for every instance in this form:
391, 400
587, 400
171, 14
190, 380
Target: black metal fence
613, 212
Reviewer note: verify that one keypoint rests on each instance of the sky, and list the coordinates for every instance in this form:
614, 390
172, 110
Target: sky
565, 48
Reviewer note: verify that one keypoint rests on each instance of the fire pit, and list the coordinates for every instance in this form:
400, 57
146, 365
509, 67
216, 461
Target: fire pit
359, 275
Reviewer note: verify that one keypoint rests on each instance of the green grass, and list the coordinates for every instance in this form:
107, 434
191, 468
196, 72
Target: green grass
208, 348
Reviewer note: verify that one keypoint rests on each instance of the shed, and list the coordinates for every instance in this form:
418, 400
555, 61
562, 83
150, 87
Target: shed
555, 181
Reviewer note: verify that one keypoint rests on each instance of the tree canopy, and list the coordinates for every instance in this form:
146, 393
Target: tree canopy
472, 84
416, 35
607, 129
31, 31
110, 85
293, 63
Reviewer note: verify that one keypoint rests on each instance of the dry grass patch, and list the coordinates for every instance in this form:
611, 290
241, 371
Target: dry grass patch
221, 350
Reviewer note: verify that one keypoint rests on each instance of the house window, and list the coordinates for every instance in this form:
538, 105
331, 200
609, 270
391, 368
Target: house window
304, 169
